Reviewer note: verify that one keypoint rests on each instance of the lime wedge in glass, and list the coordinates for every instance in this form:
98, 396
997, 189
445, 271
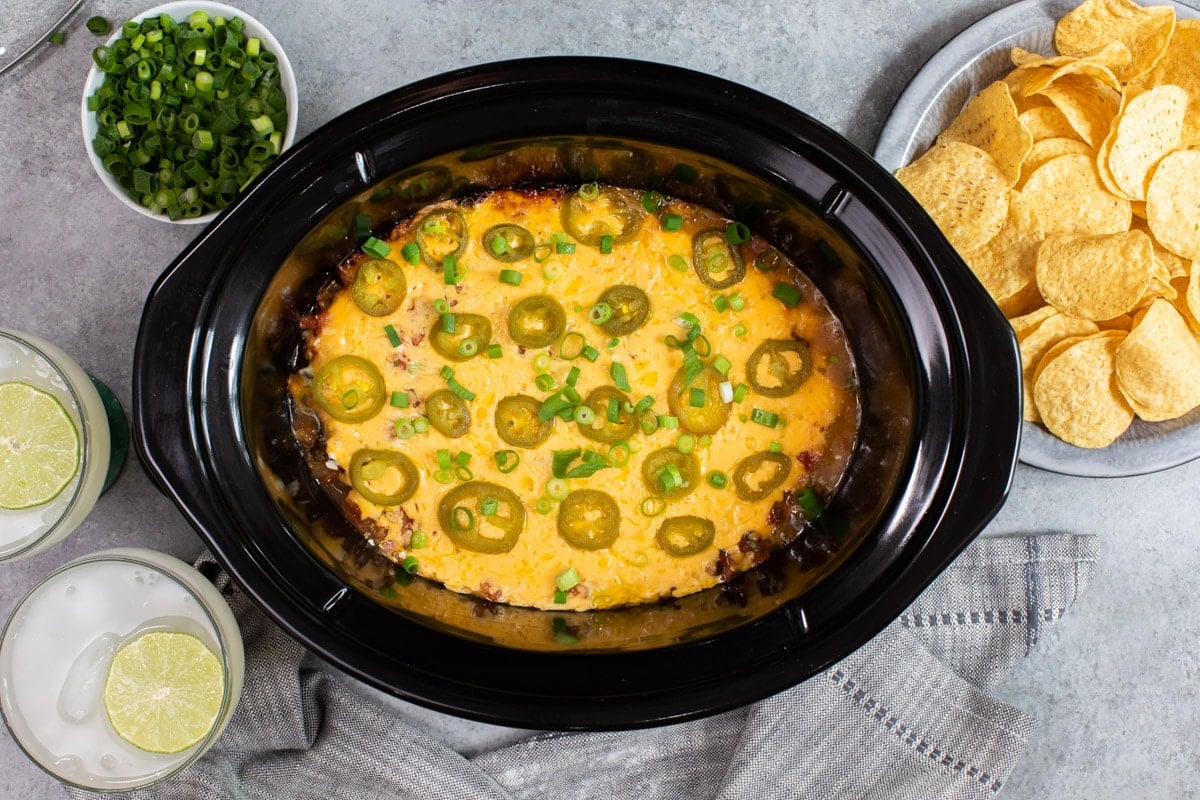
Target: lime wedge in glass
39, 446
164, 691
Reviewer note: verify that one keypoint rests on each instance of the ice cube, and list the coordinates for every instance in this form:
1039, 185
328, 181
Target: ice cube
80, 695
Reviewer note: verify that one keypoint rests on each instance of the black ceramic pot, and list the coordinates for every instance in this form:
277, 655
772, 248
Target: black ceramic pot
937, 362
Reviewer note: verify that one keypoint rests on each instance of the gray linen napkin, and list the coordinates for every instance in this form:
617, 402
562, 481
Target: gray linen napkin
903, 718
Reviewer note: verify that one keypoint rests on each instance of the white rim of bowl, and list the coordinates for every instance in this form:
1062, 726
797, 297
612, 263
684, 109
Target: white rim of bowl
287, 82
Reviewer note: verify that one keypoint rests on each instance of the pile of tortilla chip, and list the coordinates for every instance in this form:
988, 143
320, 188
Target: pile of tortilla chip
1072, 189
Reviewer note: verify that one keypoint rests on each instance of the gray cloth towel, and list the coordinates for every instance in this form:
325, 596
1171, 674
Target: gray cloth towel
905, 717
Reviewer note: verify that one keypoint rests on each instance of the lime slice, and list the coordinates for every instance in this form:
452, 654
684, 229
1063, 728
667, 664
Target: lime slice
39, 446
164, 691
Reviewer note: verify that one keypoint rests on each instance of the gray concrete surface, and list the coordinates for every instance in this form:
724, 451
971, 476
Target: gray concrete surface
1115, 685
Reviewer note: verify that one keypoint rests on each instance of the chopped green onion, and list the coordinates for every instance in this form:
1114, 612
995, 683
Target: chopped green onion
362, 222
564, 248
618, 454
411, 253
671, 222
686, 319
589, 191
775, 447
444, 460
446, 372
444, 475
557, 489
788, 294
462, 518
739, 330
606, 244
392, 335
677, 263
591, 353
619, 376
726, 390
545, 381
489, 506
767, 418
652, 202
375, 247
668, 421
99, 25
704, 441
584, 415
494, 351
418, 540
643, 404
511, 276
572, 376
737, 302
561, 460
571, 345
600, 313
463, 473
421, 424
720, 303
462, 458
737, 233
567, 580
400, 399
649, 422
506, 460
613, 343
722, 364
449, 323
541, 362
468, 347
450, 270
404, 429
717, 479
653, 506
441, 307
560, 596
410, 564
553, 270
670, 478
810, 504
544, 505
460, 390
58, 37
696, 398
740, 391
686, 443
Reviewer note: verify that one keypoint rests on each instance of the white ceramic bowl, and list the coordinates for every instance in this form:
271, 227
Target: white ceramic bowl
181, 10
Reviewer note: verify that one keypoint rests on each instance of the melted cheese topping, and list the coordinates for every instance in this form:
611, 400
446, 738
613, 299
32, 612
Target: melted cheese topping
634, 569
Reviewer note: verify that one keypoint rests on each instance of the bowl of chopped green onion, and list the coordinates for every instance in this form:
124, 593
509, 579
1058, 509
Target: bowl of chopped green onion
185, 106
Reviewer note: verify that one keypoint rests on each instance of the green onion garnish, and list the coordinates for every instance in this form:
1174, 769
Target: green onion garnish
460, 390
775, 447
722, 364
606, 244
643, 404
572, 376
411, 253
410, 565
687, 319
740, 391
571, 345
788, 294
418, 540
739, 330
600, 313
494, 351
670, 478
720, 303
553, 270
671, 222
462, 518
444, 475
362, 222
544, 505
696, 398
620, 378
766, 418
677, 263
717, 479
541, 362
584, 415
652, 202
463, 473
737, 233
668, 421
810, 504
404, 429
567, 580
560, 596
441, 307
686, 443
557, 489
99, 26
444, 460
506, 460
400, 399
511, 276
653, 506
449, 323
545, 381
564, 248
737, 302
421, 424
489, 506
450, 270
614, 410
619, 453
446, 372
392, 335
375, 247
462, 458
591, 353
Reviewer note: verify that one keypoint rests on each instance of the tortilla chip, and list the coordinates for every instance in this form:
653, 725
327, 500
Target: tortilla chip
1044, 150
1006, 263
1095, 277
1026, 323
1148, 127
1037, 342
1095, 23
1066, 196
1158, 365
1047, 122
962, 189
989, 121
1173, 203
1088, 104
1077, 396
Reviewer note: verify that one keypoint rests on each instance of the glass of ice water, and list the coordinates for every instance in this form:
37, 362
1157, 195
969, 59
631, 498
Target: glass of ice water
61, 653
